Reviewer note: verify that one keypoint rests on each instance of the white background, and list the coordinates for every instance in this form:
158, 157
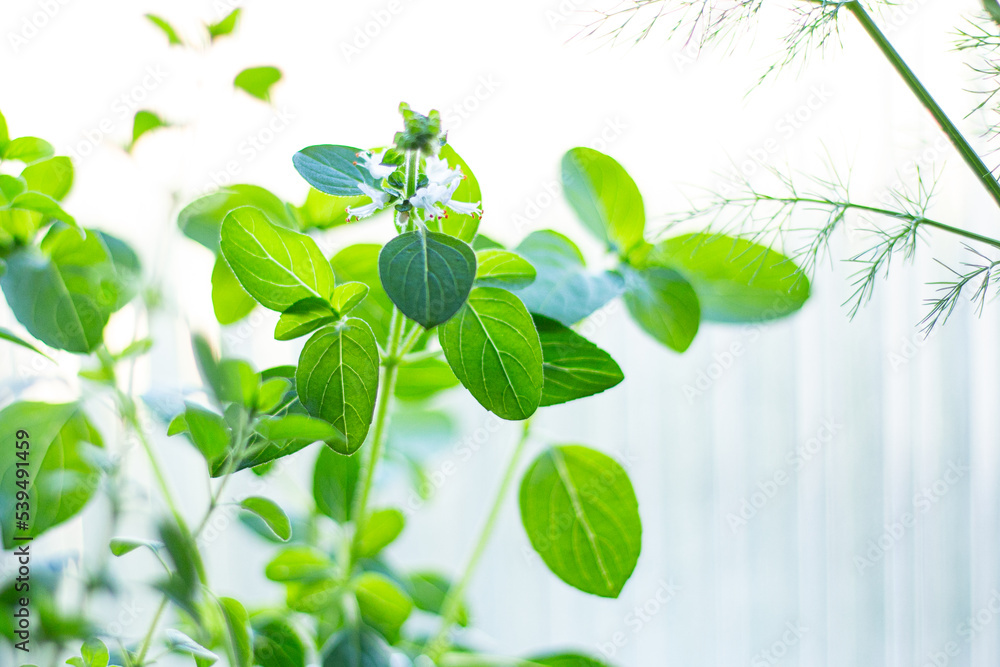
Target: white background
516, 93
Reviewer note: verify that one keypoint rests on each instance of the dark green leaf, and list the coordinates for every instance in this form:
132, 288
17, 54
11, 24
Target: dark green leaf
379, 531
274, 265
664, 304
172, 37
384, 606
503, 268
563, 289
272, 515
52, 177
201, 220
736, 280
257, 81
337, 379
427, 275
332, 169
573, 366
493, 347
582, 517
335, 480
604, 197
356, 647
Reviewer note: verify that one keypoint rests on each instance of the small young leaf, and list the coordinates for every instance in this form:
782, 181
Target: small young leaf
272, 515
337, 379
179, 642
335, 479
120, 546
427, 275
563, 288
332, 169
493, 347
172, 37
257, 81
11, 337
27, 150
52, 177
303, 317
582, 517
503, 268
276, 266
226, 26
348, 296
573, 367
384, 606
94, 653
459, 225
736, 280
428, 591
356, 647
604, 197
664, 304
143, 122
299, 563
238, 627
359, 263
379, 531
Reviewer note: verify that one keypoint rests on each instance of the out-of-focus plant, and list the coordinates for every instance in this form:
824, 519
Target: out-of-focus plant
390, 326
781, 215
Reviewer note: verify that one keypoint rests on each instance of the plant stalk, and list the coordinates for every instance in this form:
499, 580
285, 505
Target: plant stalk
956, 137
148, 639
452, 605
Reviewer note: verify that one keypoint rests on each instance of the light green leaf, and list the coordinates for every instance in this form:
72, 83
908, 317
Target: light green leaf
275, 266
566, 660
493, 347
257, 81
144, 121
428, 591
4, 133
582, 517
230, 301
172, 37
384, 606
300, 427
60, 477
276, 643
238, 627
456, 224
52, 177
573, 367
356, 647
332, 169
427, 275
323, 211
348, 296
299, 563
664, 304
563, 289
65, 292
94, 653
226, 26
379, 531
335, 479
503, 268
10, 187
604, 197
119, 546
201, 220
337, 379
10, 336
419, 380
179, 642
304, 317
271, 393
207, 430
272, 515
44, 204
736, 280
27, 150
359, 263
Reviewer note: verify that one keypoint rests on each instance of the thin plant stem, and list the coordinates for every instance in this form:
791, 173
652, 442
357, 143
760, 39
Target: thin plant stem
956, 137
452, 605
157, 472
148, 639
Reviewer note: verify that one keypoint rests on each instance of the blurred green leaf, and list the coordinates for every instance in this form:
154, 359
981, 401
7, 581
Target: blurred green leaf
172, 37
272, 515
384, 606
335, 479
257, 81
460, 226
299, 563
230, 301
27, 150
323, 211
11, 337
52, 177
378, 531
664, 304
226, 26
356, 647
419, 380
604, 197
178, 642
43, 204
239, 631
503, 268
201, 220
429, 590
143, 122
276, 643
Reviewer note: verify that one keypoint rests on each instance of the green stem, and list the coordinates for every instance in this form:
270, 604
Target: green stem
148, 640
968, 154
157, 471
452, 605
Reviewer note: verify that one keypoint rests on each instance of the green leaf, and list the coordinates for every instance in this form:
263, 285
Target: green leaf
303, 317
201, 220
44, 204
582, 517
482, 242
27, 150
359, 263
276, 266
427, 275
183, 552
95, 653
456, 224
179, 642
384, 606
332, 169
238, 627
337, 379
299, 427
207, 430
503, 268
604, 197
172, 37
993, 9
378, 531
271, 393
65, 292
335, 480
52, 177
10, 336
4, 133
428, 591
276, 643
493, 347
664, 304
299, 563
419, 380
573, 367
736, 280
348, 296
10, 187
144, 121
230, 301
356, 647
272, 515
566, 660
323, 211
226, 26
60, 476
563, 289
119, 546
257, 81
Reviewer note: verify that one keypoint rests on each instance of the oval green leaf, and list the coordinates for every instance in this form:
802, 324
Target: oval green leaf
503, 268
332, 169
258, 81
384, 606
664, 304
604, 197
573, 367
271, 514
379, 531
